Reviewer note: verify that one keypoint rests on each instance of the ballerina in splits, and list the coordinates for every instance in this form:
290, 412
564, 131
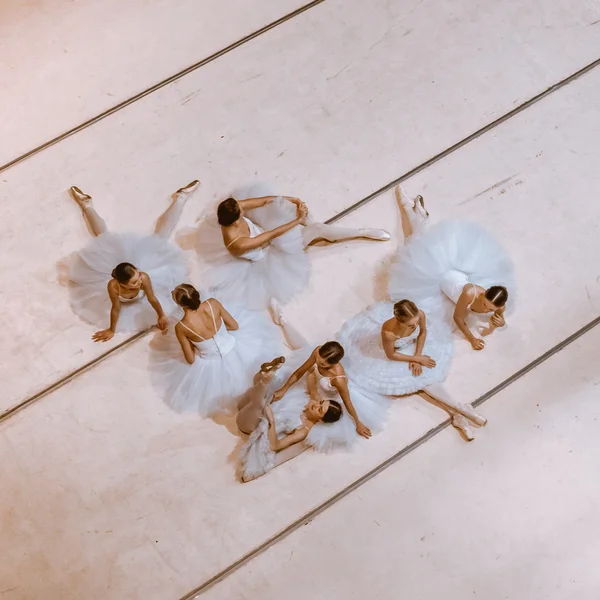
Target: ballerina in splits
116, 272
409, 353
458, 260
221, 347
256, 246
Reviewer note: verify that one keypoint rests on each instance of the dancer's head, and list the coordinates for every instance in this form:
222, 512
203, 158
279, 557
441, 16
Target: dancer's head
407, 313
330, 353
128, 276
328, 411
186, 296
495, 297
228, 212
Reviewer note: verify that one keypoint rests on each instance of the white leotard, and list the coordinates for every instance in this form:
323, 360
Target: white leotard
140, 295
257, 253
403, 342
217, 346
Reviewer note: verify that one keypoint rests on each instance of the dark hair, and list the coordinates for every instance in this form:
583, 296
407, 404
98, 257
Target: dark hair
228, 212
123, 272
332, 352
405, 310
187, 295
334, 412
497, 295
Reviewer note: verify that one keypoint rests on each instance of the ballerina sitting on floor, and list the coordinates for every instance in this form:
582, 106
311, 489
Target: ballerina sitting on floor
406, 354
115, 272
221, 348
269, 445
256, 246
458, 259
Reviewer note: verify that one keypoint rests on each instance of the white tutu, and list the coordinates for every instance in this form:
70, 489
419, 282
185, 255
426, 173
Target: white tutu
370, 407
91, 270
212, 384
281, 273
367, 364
421, 265
256, 457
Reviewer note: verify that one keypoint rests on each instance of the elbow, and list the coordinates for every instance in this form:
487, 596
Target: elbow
189, 358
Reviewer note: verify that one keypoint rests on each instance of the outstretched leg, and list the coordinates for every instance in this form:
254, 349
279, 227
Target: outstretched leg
314, 233
167, 222
95, 222
460, 414
294, 338
252, 404
413, 213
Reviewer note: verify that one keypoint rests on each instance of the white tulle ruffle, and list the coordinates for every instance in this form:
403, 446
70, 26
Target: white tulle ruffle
420, 266
282, 273
212, 384
367, 364
91, 270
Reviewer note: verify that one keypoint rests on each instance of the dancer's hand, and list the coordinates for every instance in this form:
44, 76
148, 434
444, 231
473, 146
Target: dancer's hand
415, 368
477, 344
363, 430
302, 214
426, 361
103, 336
278, 394
497, 320
163, 323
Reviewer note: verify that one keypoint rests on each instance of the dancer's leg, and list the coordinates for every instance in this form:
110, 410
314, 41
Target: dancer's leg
167, 222
439, 394
294, 338
320, 232
95, 221
412, 212
458, 421
252, 404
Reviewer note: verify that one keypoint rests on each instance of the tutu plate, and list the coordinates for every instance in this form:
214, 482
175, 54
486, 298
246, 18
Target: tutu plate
367, 364
282, 273
91, 270
211, 385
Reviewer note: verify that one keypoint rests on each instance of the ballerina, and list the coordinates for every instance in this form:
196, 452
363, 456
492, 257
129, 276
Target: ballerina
406, 354
364, 410
221, 352
115, 272
459, 259
257, 245
272, 443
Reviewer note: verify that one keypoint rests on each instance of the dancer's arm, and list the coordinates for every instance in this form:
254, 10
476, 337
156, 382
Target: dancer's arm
163, 322
245, 244
342, 387
186, 345
388, 339
295, 377
230, 323
250, 203
115, 309
277, 445
460, 316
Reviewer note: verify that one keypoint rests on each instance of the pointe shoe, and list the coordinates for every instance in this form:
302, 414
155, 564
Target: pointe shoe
419, 207
462, 425
473, 416
274, 365
276, 312
189, 188
84, 200
405, 201
379, 235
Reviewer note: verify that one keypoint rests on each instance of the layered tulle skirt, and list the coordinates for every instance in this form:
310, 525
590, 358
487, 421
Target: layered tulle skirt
212, 384
91, 268
420, 266
282, 272
367, 364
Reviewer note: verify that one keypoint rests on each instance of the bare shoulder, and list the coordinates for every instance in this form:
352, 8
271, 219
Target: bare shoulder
388, 327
